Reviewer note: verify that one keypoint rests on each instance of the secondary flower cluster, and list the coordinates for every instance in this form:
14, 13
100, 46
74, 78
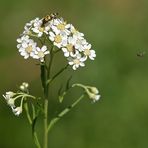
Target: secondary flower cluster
92, 92
12, 97
61, 34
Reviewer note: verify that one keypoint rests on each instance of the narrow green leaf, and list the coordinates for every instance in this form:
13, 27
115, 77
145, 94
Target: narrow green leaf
68, 83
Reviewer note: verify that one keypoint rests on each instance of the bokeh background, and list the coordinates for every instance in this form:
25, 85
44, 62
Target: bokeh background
118, 30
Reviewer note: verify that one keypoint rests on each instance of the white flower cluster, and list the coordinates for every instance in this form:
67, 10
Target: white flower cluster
62, 35
93, 93
10, 98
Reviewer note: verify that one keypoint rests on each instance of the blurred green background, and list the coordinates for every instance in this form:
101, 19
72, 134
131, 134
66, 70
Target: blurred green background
117, 29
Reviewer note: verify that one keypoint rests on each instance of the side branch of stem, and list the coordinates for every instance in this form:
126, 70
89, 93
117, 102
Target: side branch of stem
64, 112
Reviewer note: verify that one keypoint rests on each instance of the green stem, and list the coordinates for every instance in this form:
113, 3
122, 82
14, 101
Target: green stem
57, 74
45, 123
36, 140
65, 111
46, 76
35, 137
45, 88
43, 77
27, 113
50, 63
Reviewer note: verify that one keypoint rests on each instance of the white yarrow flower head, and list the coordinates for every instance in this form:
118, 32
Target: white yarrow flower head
39, 29
88, 52
27, 27
76, 33
76, 62
69, 49
40, 53
26, 46
59, 26
58, 40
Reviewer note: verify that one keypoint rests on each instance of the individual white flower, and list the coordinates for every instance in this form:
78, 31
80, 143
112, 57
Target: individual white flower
17, 111
80, 44
11, 102
94, 97
40, 53
94, 90
39, 29
28, 26
9, 95
9, 98
88, 52
76, 62
69, 49
58, 39
59, 26
26, 46
76, 33
79, 38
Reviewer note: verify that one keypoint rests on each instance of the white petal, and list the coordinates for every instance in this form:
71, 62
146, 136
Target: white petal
74, 67
71, 63
82, 64
66, 54
64, 49
46, 52
24, 45
44, 48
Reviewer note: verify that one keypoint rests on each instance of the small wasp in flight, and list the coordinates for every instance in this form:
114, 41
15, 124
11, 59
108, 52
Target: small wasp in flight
141, 54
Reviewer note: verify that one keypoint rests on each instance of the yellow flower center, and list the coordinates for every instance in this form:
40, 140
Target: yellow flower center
70, 47
61, 26
76, 61
41, 29
41, 54
58, 39
87, 52
29, 49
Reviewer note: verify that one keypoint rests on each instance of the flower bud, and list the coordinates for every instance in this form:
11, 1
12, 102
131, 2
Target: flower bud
9, 95
17, 111
22, 87
94, 90
10, 102
26, 85
93, 96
